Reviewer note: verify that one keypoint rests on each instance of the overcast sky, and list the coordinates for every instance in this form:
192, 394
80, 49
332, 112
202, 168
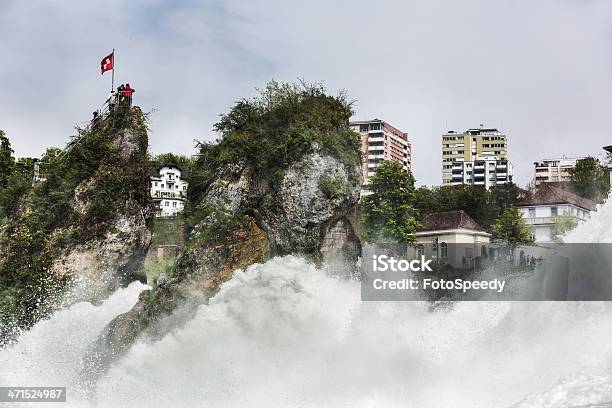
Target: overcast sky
541, 70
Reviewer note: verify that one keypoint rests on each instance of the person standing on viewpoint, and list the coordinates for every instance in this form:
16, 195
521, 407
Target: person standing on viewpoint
128, 91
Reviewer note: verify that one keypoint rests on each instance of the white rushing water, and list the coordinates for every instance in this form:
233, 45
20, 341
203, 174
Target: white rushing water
283, 334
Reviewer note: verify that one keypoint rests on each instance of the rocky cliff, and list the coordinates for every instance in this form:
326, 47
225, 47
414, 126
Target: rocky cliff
83, 230
249, 201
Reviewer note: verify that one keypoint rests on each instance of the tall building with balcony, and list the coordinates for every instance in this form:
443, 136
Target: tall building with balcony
608, 149
381, 141
473, 144
487, 171
168, 189
553, 170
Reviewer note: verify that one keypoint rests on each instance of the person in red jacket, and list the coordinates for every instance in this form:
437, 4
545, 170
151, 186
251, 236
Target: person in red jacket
127, 94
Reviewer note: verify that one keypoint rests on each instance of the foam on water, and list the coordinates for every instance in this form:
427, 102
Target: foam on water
283, 334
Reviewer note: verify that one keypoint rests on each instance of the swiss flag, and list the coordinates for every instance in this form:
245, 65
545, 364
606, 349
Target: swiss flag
107, 62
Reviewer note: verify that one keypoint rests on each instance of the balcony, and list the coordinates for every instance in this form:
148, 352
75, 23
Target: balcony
376, 148
539, 220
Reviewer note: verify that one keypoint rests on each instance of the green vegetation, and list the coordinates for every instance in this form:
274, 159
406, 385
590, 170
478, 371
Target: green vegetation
274, 130
185, 162
83, 190
388, 212
7, 161
330, 187
167, 231
512, 229
563, 224
590, 179
483, 205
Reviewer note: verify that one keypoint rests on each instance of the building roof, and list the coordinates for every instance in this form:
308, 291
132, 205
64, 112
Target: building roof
449, 220
158, 166
551, 194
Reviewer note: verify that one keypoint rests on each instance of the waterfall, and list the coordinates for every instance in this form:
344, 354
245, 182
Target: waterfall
283, 334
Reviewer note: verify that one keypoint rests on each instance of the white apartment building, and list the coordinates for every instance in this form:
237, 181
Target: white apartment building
469, 145
551, 202
381, 141
553, 170
484, 171
168, 189
609, 150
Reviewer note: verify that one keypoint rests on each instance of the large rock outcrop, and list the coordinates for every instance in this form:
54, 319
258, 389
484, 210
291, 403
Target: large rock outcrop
283, 178
84, 229
114, 254
247, 220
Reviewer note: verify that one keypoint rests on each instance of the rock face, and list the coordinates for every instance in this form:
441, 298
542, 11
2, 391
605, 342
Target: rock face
315, 195
247, 220
299, 215
82, 230
99, 267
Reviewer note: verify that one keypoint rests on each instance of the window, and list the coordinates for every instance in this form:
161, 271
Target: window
162, 186
553, 211
174, 204
167, 203
364, 128
532, 213
443, 250
420, 250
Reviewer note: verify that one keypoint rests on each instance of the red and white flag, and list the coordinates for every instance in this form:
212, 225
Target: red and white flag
107, 62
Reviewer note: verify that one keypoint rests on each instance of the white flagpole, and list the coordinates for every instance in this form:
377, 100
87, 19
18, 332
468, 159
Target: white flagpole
113, 74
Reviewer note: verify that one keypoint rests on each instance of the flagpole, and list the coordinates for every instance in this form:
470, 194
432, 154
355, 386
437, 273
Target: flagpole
113, 74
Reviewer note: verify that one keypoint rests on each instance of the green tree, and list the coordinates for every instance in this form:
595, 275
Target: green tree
175, 159
483, 205
389, 210
512, 229
590, 179
563, 224
7, 161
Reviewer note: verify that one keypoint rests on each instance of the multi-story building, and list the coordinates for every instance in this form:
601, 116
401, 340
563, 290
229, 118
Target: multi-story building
484, 171
549, 203
553, 170
466, 146
168, 189
609, 150
381, 141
